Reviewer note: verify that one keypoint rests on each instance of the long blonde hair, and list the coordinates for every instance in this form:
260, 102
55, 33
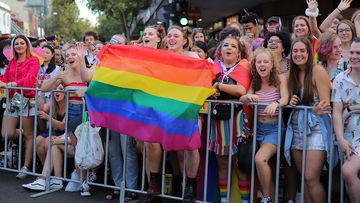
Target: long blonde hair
255, 77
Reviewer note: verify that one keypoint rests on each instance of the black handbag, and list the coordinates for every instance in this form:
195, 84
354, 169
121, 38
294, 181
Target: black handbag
245, 150
221, 112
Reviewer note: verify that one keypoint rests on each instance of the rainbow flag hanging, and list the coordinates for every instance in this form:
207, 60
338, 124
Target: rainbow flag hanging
152, 95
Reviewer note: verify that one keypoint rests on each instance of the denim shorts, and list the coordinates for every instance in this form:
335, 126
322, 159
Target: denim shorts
267, 133
314, 140
75, 110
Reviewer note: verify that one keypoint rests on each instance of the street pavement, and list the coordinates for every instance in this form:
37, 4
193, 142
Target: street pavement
12, 192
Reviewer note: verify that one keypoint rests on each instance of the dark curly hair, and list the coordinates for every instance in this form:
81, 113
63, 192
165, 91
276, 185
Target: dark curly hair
250, 17
285, 40
91, 33
255, 77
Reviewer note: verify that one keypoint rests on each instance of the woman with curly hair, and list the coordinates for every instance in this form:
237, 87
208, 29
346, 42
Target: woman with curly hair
267, 86
279, 44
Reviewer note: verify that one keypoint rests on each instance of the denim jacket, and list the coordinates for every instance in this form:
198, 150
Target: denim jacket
312, 119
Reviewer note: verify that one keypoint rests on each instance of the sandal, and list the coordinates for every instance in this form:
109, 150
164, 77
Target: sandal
113, 195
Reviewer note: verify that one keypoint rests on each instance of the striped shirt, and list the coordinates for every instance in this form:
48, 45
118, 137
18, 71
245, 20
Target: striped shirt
267, 97
73, 87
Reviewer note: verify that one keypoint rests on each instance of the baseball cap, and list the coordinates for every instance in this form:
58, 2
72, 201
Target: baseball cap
273, 19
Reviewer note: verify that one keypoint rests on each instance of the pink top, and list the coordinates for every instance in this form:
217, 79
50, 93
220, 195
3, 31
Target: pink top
267, 97
24, 74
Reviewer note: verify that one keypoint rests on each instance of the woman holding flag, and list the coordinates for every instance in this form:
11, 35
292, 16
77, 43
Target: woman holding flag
231, 83
177, 39
21, 72
152, 38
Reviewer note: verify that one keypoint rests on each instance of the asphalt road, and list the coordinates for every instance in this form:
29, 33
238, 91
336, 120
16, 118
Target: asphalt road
12, 192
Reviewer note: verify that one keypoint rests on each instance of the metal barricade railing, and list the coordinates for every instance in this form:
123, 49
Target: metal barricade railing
122, 187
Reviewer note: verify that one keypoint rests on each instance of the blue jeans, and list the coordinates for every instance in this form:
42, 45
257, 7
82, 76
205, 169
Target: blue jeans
116, 159
75, 110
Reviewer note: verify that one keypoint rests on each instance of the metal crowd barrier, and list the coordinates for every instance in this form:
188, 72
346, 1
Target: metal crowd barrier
141, 189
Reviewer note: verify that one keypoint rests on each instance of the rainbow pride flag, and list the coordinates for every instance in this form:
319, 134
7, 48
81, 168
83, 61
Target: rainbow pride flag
152, 95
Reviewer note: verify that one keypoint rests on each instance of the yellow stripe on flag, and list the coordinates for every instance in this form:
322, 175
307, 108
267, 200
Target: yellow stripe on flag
156, 87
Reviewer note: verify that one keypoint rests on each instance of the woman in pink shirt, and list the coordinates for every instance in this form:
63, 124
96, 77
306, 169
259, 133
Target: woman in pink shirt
21, 72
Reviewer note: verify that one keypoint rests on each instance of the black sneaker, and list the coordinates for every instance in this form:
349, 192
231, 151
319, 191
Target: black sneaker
189, 193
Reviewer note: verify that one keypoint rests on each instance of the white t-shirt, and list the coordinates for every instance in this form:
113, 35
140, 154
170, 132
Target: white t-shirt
43, 76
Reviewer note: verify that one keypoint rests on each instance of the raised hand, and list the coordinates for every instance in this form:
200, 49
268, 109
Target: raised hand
312, 4
81, 50
344, 4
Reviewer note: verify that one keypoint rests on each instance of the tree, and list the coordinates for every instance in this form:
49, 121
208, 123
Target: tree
121, 10
108, 26
67, 22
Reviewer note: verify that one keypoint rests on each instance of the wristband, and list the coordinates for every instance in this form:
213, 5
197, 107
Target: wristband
277, 101
312, 13
338, 9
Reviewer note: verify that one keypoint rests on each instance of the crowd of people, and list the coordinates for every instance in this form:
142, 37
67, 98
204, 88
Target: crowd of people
316, 66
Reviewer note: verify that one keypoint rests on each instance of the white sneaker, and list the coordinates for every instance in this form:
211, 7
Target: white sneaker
266, 200
73, 186
38, 184
56, 184
22, 175
85, 190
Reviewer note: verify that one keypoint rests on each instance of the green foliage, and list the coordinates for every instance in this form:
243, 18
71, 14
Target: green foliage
124, 11
113, 8
67, 22
108, 26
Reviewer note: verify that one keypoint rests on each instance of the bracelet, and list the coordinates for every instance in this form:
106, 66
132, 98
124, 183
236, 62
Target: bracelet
277, 101
218, 87
338, 9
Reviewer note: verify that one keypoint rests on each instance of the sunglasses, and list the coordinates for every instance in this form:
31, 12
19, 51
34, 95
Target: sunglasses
114, 41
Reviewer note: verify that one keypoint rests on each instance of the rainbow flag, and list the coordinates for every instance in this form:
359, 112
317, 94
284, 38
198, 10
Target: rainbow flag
152, 95
38, 53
